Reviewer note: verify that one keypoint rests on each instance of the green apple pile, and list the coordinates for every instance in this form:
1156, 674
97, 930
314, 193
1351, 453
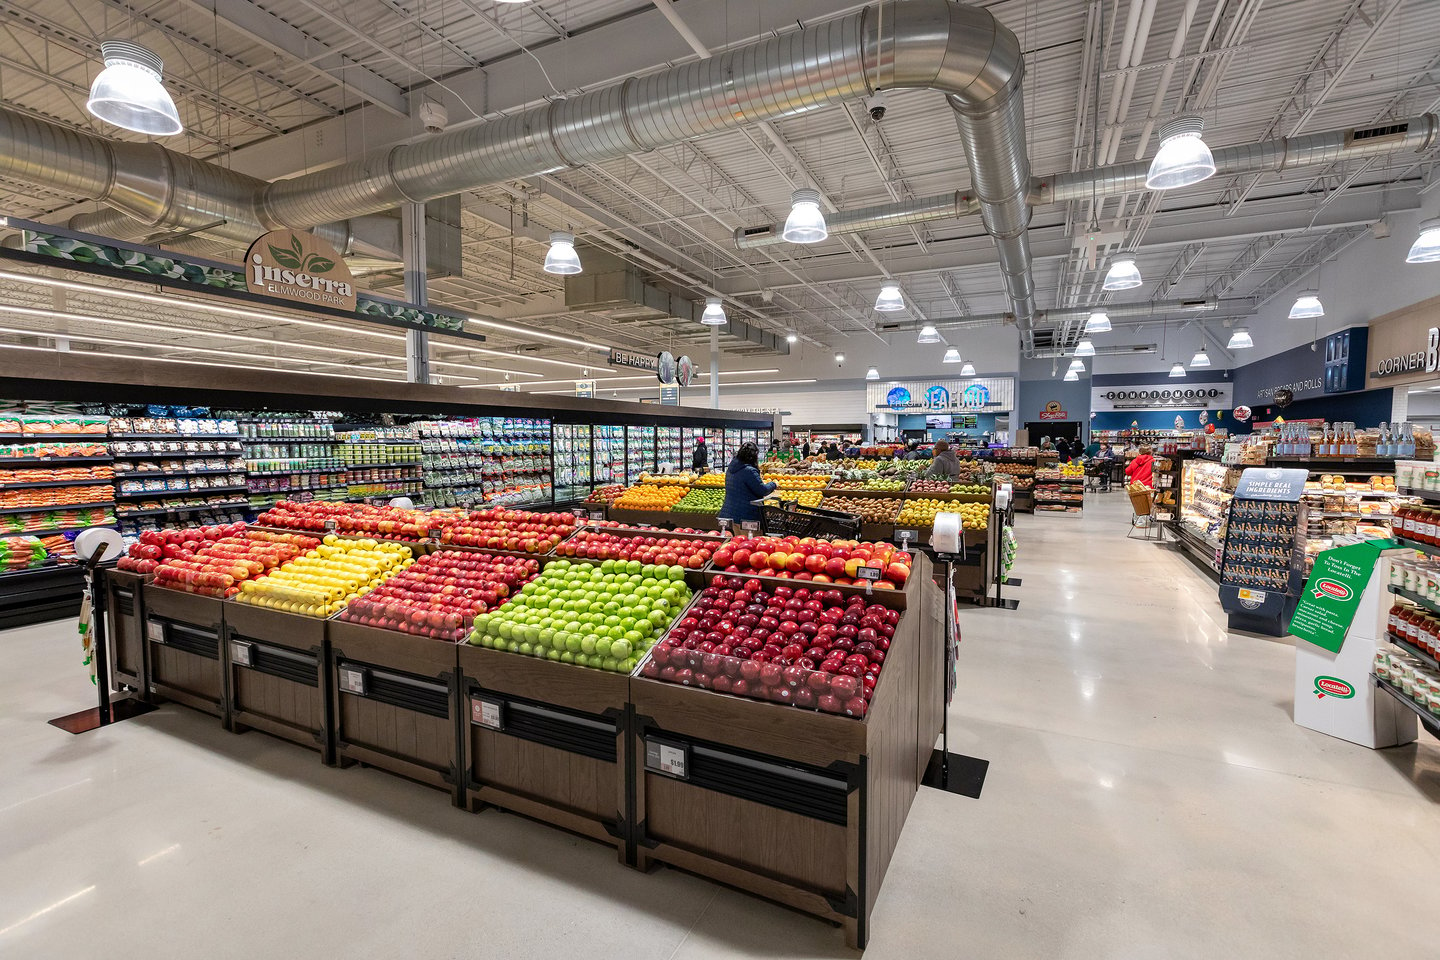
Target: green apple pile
603, 615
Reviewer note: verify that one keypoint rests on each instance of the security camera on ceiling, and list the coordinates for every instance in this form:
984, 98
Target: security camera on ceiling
876, 106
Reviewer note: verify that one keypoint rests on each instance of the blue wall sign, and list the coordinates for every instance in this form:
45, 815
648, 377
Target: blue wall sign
898, 397
937, 398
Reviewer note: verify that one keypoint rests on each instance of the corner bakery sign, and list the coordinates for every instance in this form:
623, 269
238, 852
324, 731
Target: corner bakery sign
299, 267
1420, 361
1405, 346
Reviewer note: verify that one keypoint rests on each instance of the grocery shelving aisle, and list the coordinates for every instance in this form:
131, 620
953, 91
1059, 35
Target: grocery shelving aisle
1147, 796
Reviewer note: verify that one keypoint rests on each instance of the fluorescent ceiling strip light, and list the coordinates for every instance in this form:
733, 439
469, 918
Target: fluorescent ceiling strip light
527, 332
195, 363
609, 380
754, 383
153, 327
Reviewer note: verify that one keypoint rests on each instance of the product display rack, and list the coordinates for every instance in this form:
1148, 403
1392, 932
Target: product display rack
1166, 475
486, 460
668, 458
1057, 493
609, 455
1206, 489
639, 452
574, 477
1021, 466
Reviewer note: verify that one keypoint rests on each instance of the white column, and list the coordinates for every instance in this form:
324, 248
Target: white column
417, 342
715, 368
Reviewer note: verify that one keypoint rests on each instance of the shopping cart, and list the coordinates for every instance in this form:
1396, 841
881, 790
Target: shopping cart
1143, 526
788, 518
1097, 475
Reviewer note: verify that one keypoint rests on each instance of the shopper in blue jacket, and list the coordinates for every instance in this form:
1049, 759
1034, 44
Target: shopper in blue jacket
744, 484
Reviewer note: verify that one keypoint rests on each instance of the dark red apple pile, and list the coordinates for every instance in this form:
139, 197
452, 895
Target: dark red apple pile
439, 594
818, 648
154, 546
647, 548
501, 529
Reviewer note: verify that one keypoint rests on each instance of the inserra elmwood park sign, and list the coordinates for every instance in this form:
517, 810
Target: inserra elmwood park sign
284, 267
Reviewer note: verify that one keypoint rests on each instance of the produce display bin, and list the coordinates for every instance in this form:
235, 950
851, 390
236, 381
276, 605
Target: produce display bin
798, 806
547, 740
397, 704
126, 629
184, 652
278, 676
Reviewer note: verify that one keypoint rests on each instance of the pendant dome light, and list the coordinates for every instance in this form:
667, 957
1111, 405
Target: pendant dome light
562, 258
928, 334
1084, 349
872, 374
1077, 365
714, 315
1071, 376
129, 94
1099, 322
952, 355
1183, 157
1123, 275
968, 370
1201, 358
806, 224
889, 299
1177, 369
1426, 248
1240, 340
1307, 306
791, 338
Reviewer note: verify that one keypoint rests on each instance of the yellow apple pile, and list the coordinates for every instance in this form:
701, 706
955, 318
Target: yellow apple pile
324, 580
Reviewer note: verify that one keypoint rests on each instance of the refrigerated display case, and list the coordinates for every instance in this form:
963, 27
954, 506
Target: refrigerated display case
1205, 492
668, 457
732, 443
609, 456
639, 452
687, 444
573, 474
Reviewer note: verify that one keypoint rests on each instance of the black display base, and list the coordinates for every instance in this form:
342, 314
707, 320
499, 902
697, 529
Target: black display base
966, 774
36, 596
1264, 626
87, 720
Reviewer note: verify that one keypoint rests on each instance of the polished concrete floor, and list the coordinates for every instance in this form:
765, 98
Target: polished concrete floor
1148, 797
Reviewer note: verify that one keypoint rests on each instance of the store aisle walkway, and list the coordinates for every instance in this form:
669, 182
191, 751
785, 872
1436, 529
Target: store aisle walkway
1148, 797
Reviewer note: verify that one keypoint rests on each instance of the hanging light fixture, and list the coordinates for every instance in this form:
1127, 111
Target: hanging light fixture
889, 299
129, 94
1084, 349
1201, 358
714, 315
1426, 248
1307, 306
1178, 369
928, 334
806, 224
968, 370
1123, 275
1183, 157
872, 374
1099, 322
952, 355
791, 338
1077, 365
839, 358
1071, 376
562, 258
1240, 340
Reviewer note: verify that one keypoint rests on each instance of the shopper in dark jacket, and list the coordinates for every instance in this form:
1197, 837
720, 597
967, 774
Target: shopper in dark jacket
805, 450
700, 459
945, 466
743, 484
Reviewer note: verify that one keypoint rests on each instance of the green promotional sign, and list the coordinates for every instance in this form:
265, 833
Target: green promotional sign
1332, 594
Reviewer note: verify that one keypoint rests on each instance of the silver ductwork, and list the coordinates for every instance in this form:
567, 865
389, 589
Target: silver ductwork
958, 50
1045, 319
1415, 135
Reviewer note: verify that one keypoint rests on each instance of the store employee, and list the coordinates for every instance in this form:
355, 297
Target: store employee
743, 484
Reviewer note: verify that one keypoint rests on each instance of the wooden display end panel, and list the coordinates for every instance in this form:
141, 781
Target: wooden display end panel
183, 640
276, 666
404, 717
126, 633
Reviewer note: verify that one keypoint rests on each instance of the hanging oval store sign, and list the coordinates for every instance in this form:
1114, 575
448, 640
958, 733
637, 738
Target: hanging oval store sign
684, 371
665, 368
299, 267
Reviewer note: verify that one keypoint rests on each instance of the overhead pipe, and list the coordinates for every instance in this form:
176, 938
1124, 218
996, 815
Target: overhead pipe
958, 50
1045, 319
1415, 135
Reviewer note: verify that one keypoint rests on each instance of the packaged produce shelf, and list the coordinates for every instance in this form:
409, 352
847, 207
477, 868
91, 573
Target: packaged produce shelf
41, 462
169, 455
174, 436
127, 474
58, 506
287, 440
41, 484
55, 437
284, 473
1414, 651
1427, 719
363, 466
55, 530
158, 511
153, 494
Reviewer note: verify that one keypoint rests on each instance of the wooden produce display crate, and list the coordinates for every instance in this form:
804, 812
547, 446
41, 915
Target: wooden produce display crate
276, 665
664, 519
184, 649
798, 806
546, 740
126, 629
397, 704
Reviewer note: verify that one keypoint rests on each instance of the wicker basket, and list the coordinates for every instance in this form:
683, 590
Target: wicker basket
1140, 501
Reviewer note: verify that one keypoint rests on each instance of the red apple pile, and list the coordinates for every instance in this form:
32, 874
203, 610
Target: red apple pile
155, 546
516, 530
818, 561
216, 569
820, 648
647, 548
439, 594
354, 519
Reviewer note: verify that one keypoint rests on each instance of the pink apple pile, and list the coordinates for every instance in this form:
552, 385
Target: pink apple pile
817, 561
155, 546
214, 570
439, 594
355, 519
518, 530
646, 547
819, 648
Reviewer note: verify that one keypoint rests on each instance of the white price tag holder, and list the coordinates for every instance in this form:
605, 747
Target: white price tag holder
869, 575
353, 680
667, 757
597, 514
242, 653
155, 631
487, 712
903, 538
751, 527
